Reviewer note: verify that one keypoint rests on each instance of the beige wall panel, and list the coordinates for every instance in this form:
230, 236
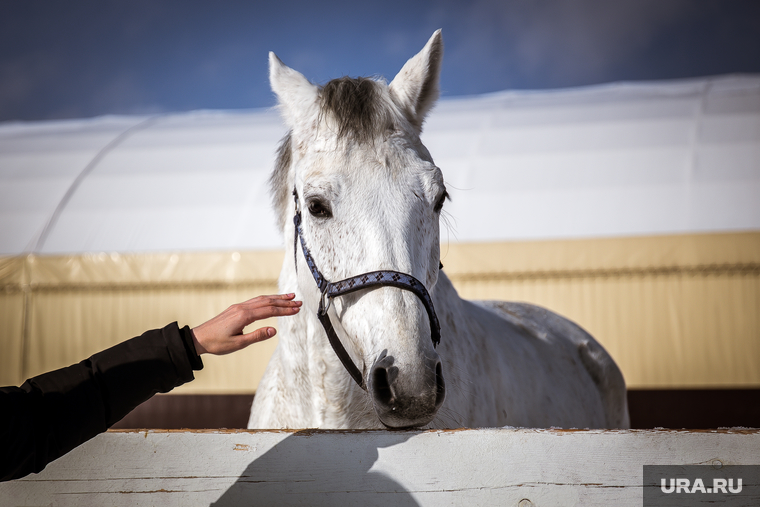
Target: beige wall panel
663, 330
674, 311
212, 268
83, 304
11, 332
560, 257
68, 326
12, 280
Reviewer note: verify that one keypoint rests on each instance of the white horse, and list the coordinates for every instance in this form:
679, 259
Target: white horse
371, 198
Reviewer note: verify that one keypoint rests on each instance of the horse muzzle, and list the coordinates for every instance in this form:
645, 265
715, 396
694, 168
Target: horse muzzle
406, 399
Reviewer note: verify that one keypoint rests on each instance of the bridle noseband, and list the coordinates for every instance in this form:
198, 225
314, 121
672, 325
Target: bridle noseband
364, 281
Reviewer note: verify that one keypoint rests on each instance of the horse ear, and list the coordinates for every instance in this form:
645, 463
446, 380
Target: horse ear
296, 95
415, 87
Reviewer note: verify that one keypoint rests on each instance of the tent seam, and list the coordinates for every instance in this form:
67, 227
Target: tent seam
86, 171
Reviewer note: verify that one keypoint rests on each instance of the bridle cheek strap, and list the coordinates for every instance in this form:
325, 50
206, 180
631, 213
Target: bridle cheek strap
364, 281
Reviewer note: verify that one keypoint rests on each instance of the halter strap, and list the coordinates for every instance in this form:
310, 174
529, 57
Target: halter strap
352, 284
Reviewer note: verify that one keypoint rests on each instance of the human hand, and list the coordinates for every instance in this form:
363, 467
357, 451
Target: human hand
223, 334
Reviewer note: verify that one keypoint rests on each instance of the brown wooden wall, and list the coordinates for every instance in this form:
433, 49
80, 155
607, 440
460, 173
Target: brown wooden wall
649, 408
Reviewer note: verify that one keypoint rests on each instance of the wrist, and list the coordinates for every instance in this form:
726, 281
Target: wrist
199, 349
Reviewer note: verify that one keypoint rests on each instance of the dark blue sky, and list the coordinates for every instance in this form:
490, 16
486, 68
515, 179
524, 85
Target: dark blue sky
80, 58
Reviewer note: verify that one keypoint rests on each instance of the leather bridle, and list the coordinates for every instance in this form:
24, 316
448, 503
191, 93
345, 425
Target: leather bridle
369, 280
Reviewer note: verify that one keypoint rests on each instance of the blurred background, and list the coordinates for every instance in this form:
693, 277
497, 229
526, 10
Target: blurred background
603, 159
88, 58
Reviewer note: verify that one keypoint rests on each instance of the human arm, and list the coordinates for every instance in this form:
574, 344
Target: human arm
53, 413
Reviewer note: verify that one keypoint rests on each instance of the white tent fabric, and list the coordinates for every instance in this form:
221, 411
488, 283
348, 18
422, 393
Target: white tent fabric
613, 160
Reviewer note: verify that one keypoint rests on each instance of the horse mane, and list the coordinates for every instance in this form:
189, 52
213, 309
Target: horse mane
357, 107
279, 182
360, 114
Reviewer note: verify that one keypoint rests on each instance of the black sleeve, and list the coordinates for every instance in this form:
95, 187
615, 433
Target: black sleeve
54, 412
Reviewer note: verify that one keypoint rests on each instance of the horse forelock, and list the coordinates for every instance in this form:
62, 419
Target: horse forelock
358, 110
357, 107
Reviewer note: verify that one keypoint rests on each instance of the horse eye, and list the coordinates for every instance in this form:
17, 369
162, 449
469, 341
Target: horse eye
319, 209
439, 205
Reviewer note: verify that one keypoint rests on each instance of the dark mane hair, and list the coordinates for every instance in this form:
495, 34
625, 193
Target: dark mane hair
354, 103
279, 184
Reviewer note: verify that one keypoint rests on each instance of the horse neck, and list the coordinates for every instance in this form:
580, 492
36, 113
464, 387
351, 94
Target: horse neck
318, 380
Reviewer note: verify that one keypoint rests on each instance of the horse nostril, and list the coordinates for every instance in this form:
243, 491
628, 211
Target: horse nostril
381, 388
440, 392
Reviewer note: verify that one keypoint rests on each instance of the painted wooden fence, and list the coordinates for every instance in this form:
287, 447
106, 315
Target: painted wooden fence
504, 467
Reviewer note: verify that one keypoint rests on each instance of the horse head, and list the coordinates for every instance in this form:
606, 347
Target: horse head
370, 198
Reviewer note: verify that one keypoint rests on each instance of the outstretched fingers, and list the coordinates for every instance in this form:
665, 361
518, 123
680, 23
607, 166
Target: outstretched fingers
265, 307
224, 333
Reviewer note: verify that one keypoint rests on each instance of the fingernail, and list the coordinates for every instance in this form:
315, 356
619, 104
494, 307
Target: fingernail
271, 332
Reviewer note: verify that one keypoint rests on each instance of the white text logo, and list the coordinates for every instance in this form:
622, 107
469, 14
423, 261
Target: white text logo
724, 486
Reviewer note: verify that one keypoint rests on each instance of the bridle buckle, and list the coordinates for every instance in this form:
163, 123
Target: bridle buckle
322, 306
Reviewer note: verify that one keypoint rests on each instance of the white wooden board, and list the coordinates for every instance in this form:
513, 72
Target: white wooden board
504, 467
